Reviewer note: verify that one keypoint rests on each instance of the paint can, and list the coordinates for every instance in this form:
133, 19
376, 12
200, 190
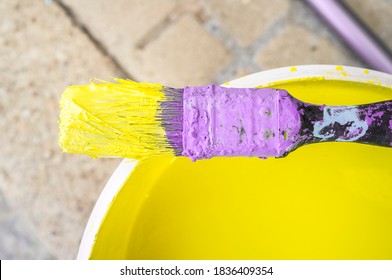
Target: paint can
323, 201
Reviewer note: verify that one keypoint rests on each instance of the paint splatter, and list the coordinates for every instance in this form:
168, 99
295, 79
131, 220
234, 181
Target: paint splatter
340, 124
373, 118
342, 72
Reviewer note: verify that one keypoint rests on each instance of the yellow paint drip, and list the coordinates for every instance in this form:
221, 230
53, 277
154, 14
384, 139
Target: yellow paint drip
339, 68
293, 69
279, 83
112, 119
342, 72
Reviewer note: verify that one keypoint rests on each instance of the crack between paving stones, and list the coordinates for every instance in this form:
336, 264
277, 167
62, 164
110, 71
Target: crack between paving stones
75, 21
154, 33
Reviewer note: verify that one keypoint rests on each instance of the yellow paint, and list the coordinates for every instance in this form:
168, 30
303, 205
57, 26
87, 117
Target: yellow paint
125, 128
277, 84
293, 69
366, 71
339, 68
342, 72
374, 82
323, 201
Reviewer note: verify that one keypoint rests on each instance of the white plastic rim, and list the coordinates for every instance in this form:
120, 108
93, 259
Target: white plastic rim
113, 186
126, 167
328, 72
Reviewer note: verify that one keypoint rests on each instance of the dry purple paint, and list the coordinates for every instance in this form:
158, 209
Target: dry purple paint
208, 121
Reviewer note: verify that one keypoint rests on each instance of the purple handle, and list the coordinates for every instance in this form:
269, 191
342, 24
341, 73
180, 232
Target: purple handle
356, 35
367, 124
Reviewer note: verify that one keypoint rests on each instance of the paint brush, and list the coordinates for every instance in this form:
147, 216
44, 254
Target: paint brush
134, 120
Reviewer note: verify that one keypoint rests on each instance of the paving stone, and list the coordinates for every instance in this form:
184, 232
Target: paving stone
122, 26
239, 72
246, 20
184, 54
18, 239
296, 45
377, 16
3, 204
41, 52
301, 14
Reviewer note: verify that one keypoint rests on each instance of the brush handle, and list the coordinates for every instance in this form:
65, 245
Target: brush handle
368, 124
265, 122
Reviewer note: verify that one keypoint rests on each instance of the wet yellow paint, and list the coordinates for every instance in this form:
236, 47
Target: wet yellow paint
290, 81
293, 69
323, 201
112, 119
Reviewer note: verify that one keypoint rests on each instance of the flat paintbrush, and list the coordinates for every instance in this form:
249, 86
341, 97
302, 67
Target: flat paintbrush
133, 120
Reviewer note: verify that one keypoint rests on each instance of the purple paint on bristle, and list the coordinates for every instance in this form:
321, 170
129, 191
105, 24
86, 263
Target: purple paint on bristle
222, 121
172, 117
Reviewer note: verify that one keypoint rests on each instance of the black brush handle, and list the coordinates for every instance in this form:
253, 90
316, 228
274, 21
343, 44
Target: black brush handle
368, 124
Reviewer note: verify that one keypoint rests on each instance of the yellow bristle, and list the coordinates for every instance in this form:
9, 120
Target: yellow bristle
113, 120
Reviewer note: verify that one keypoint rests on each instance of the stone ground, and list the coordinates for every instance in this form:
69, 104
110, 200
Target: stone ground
46, 197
